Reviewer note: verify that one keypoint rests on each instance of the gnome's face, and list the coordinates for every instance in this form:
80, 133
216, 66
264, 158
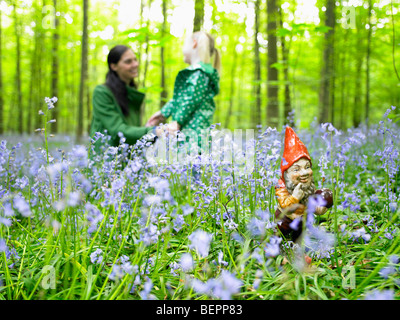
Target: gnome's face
300, 172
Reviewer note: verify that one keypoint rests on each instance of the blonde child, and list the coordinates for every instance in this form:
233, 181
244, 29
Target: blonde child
192, 106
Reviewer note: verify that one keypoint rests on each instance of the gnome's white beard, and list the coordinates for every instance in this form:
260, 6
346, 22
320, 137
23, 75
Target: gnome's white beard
308, 189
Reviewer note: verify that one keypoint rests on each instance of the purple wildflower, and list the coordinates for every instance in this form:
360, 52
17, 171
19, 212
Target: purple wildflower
380, 295
116, 273
3, 246
220, 259
145, 294
22, 206
200, 242
96, 257
314, 202
272, 248
186, 262
295, 224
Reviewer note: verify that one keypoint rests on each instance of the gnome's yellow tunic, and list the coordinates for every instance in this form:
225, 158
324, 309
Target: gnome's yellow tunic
287, 201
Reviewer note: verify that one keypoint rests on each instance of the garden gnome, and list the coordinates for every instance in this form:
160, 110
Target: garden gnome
296, 186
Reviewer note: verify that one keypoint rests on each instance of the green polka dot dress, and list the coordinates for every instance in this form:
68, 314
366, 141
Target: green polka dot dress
192, 104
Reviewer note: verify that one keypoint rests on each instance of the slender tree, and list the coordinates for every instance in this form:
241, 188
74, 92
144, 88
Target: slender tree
17, 29
272, 85
84, 67
257, 66
367, 62
198, 15
232, 85
163, 93
287, 105
1, 83
147, 44
327, 69
54, 66
358, 85
343, 82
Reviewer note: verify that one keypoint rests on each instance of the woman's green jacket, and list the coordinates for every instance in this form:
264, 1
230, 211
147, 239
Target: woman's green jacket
107, 115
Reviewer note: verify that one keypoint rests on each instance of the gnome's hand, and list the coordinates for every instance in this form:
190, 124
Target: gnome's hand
298, 192
320, 210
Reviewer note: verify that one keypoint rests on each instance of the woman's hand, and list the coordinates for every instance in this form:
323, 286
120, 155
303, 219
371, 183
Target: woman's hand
155, 119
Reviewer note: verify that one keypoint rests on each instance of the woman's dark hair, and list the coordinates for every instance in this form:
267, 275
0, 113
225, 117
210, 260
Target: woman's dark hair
116, 85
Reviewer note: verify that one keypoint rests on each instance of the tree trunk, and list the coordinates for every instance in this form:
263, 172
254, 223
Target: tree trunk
198, 15
146, 64
38, 96
357, 106
232, 85
357, 94
84, 65
1, 83
140, 43
19, 113
327, 70
272, 85
163, 93
367, 71
343, 86
257, 67
54, 69
287, 105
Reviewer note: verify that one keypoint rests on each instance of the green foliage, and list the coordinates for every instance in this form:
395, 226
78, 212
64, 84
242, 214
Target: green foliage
303, 35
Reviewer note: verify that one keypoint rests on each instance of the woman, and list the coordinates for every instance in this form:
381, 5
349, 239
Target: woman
117, 103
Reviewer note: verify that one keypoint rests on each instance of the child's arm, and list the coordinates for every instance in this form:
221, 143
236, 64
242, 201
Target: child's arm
191, 97
168, 108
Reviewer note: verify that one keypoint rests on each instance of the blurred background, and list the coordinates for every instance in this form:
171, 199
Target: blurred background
323, 60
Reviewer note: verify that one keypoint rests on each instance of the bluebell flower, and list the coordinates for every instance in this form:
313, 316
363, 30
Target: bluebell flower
174, 266
94, 217
116, 273
314, 202
3, 246
7, 209
385, 272
394, 258
96, 257
178, 222
22, 206
295, 224
50, 102
388, 236
387, 294
319, 242
128, 267
230, 224
360, 233
257, 279
74, 198
272, 249
393, 206
145, 294
226, 285
6, 222
256, 227
220, 259
187, 209
186, 262
200, 241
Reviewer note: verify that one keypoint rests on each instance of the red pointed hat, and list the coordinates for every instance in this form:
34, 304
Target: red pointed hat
294, 150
